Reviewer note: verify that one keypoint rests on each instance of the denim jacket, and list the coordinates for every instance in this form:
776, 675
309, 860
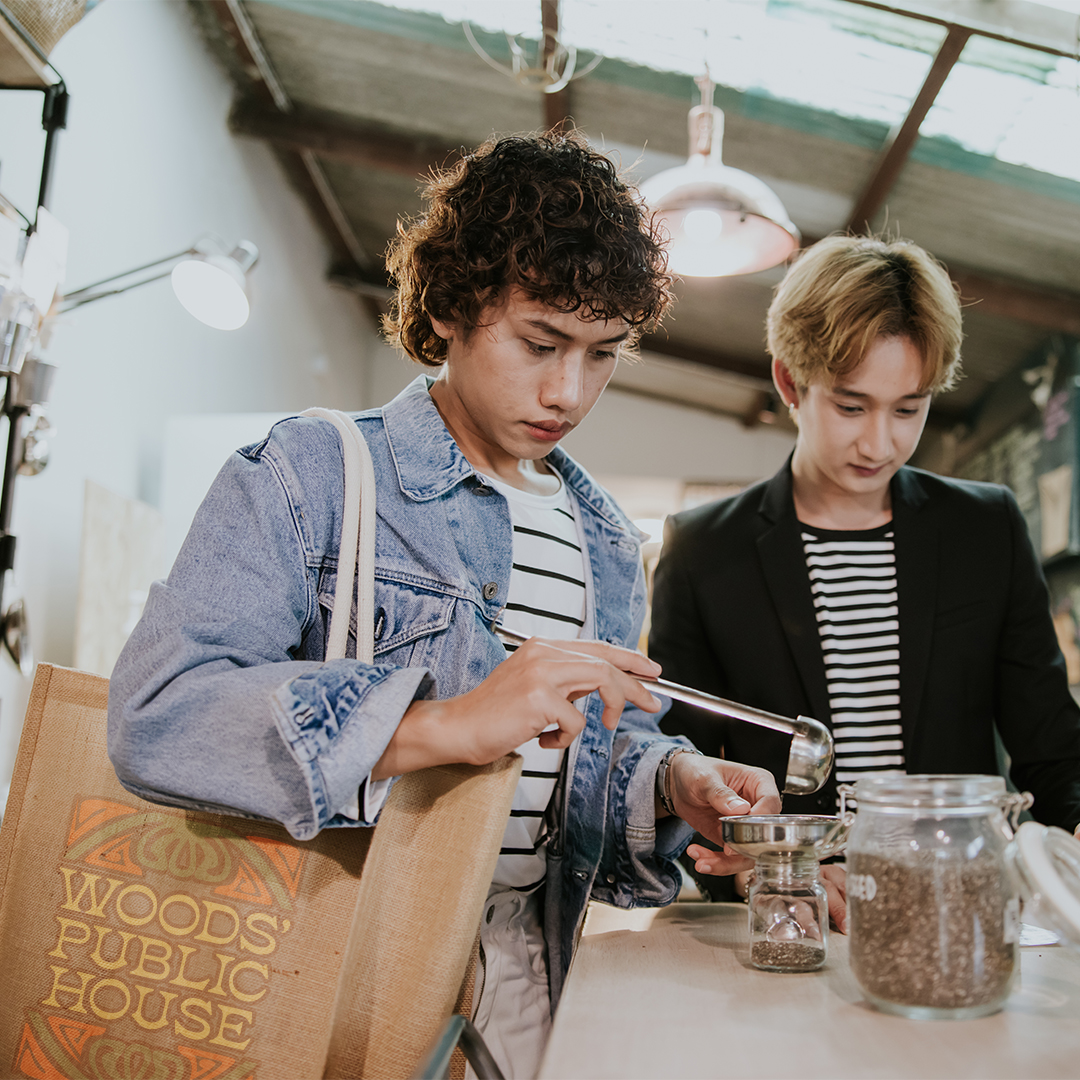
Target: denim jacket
221, 700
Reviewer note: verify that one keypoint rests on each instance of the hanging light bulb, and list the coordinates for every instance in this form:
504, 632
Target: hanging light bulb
721, 221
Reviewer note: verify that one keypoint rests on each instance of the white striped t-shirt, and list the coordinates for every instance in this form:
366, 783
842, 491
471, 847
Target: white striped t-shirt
853, 581
546, 598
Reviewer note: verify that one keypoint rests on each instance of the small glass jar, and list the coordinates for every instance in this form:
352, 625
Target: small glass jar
934, 910
788, 914
787, 905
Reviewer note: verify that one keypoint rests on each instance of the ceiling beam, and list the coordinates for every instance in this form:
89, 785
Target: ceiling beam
299, 163
995, 21
676, 399
902, 138
1010, 299
240, 35
557, 105
758, 370
331, 138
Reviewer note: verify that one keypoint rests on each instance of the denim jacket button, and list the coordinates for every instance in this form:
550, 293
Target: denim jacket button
491, 590
483, 489
611, 879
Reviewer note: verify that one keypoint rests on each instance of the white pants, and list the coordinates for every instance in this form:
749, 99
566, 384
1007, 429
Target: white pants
512, 1001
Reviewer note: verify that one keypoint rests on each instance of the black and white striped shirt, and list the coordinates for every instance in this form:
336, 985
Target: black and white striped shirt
853, 581
546, 598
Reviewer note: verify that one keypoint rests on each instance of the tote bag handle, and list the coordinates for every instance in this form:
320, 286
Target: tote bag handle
357, 541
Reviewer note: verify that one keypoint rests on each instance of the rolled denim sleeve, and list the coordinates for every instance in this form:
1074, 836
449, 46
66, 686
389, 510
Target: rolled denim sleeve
217, 702
639, 867
335, 717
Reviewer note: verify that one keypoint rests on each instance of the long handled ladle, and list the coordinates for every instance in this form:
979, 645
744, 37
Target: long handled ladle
810, 758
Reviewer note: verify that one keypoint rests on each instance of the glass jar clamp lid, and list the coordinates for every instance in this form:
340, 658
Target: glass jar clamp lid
936, 871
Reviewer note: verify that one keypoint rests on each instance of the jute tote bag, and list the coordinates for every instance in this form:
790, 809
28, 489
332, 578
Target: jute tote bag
139, 942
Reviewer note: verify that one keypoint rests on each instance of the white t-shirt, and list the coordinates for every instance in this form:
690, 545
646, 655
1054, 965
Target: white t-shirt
546, 598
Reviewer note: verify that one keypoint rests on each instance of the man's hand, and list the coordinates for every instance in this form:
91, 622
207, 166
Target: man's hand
834, 878
532, 690
704, 789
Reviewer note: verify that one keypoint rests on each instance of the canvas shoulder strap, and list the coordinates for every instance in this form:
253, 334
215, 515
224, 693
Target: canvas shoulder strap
357, 536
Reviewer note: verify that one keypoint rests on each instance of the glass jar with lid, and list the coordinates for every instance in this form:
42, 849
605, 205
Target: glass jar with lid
934, 883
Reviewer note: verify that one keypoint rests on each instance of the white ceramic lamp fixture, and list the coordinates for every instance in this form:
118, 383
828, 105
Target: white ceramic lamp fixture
213, 287
721, 221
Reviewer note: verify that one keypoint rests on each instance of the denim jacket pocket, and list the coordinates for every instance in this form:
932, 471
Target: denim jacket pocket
405, 614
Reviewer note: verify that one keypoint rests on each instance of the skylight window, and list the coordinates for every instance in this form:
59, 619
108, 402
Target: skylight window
1011, 117
1002, 101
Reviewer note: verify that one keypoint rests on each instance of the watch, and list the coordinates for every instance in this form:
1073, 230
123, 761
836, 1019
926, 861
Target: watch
663, 778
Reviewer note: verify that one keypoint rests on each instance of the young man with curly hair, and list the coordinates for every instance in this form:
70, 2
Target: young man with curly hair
531, 268
904, 609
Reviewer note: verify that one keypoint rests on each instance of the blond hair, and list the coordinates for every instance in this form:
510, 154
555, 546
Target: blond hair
845, 292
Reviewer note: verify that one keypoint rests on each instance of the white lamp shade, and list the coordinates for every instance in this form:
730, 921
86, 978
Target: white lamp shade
213, 289
720, 221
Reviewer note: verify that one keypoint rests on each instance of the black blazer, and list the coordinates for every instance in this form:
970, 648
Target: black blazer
732, 614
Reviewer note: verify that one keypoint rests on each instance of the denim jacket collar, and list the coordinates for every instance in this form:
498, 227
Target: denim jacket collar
430, 463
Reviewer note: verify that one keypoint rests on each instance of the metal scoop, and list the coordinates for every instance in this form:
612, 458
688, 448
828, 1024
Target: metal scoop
810, 758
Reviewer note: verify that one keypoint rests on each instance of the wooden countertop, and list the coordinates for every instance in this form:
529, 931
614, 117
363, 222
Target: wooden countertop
670, 993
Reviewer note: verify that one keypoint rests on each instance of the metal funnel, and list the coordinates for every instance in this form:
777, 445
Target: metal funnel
773, 836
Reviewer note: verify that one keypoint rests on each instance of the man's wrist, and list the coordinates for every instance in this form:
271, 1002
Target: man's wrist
424, 737
663, 777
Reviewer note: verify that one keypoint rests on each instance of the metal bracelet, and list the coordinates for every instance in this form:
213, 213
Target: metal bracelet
663, 776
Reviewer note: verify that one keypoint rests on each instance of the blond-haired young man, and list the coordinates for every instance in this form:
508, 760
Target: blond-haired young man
906, 610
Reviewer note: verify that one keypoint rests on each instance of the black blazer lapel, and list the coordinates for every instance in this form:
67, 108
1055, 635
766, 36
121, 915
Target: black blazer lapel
783, 564
917, 539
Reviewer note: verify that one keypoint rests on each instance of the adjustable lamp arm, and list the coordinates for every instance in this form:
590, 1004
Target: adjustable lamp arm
209, 280
54, 112
89, 293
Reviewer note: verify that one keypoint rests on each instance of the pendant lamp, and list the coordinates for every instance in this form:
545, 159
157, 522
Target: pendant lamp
721, 221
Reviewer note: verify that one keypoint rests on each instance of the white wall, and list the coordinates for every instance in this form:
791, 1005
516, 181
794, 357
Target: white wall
628, 435
145, 166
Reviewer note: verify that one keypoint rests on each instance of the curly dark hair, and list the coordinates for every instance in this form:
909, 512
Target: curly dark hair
543, 212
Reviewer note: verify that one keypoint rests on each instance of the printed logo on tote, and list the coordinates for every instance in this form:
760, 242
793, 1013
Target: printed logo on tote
163, 950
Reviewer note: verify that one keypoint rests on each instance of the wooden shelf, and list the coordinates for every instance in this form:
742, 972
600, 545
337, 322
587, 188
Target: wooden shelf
19, 67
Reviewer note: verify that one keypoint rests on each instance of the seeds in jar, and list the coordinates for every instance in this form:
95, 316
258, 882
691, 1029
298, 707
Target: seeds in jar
934, 934
787, 955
